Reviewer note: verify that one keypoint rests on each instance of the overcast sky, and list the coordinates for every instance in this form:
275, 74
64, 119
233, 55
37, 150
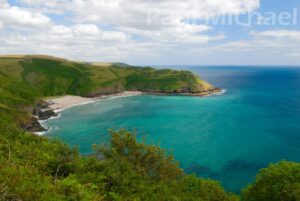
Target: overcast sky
153, 32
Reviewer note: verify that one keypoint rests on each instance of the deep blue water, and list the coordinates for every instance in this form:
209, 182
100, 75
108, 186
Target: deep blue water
228, 137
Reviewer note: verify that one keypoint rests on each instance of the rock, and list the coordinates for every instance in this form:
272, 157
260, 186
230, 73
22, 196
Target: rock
46, 114
42, 105
33, 126
42, 111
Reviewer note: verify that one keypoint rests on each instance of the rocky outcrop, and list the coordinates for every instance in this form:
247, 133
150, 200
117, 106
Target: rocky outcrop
40, 111
46, 114
185, 92
33, 125
41, 105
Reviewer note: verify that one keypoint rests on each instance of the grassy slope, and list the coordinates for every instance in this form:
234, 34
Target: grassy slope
26, 79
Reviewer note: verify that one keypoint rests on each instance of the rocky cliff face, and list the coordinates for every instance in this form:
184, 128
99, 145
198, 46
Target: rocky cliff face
33, 126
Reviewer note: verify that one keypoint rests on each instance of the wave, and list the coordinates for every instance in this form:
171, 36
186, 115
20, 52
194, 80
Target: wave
46, 127
222, 92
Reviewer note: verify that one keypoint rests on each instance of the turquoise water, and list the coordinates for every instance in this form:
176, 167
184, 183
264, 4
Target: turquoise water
228, 137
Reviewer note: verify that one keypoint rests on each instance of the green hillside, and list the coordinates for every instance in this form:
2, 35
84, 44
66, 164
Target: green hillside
26, 79
35, 168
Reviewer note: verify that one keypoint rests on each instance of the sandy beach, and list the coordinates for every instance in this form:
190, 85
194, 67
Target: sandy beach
64, 102
61, 103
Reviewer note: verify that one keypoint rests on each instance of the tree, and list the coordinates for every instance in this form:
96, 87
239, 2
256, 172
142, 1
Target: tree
278, 182
149, 160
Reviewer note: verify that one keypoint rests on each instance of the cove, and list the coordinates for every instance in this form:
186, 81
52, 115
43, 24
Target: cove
227, 137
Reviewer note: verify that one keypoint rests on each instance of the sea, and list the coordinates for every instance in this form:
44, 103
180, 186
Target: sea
228, 137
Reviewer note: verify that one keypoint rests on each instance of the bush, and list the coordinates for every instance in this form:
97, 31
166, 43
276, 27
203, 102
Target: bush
278, 182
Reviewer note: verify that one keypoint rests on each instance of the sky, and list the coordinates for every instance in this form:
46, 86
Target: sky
155, 32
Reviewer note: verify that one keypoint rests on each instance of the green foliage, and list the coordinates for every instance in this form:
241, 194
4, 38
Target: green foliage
22, 182
148, 160
35, 168
278, 182
73, 190
52, 77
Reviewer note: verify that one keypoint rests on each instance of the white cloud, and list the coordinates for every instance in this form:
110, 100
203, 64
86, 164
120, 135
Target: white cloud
89, 32
86, 29
15, 16
60, 30
270, 47
279, 34
47, 6
3, 4
295, 55
159, 20
79, 41
115, 36
120, 29
1, 25
179, 33
135, 8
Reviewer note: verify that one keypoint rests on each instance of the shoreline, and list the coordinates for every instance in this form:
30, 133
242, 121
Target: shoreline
64, 102
212, 92
57, 104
